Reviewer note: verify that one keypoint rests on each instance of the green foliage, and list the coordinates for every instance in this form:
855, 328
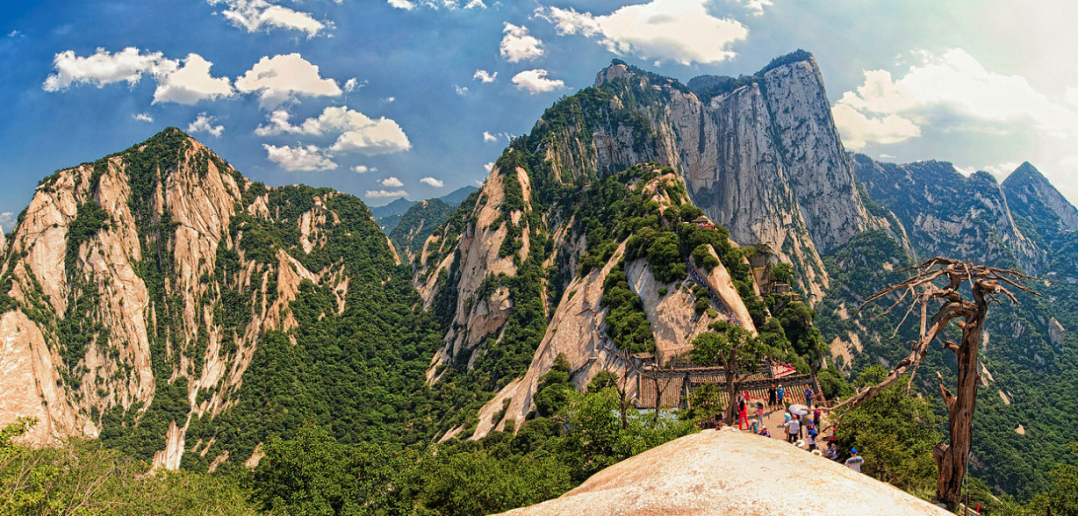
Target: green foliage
783, 273
728, 346
89, 219
833, 385
1062, 496
626, 323
314, 474
598, 439
796, 319
483, 482
418, 223
554, 390
793, 57
83, 477
895, 434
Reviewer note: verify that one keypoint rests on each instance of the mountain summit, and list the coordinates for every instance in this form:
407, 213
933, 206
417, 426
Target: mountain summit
161, 301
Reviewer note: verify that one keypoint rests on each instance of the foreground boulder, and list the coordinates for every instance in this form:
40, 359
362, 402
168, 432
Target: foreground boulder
732, 474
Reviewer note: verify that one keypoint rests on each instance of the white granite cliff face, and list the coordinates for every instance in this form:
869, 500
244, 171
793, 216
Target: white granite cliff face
577, 320
949, 214
115, 371
763, 160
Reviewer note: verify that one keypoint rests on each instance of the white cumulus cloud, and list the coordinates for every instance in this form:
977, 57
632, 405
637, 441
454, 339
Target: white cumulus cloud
255, 15
351, 84
485, 76
356, 132
535, 81
460, 90
192, 83
859, 130
449, 5
682, 31
381, 194
487, 137
756, 7
518, 45
950, 91
204, 124
282, 77
391, 182
103, 68
489, 167
299, 159
143, 117
432, 182
363, 169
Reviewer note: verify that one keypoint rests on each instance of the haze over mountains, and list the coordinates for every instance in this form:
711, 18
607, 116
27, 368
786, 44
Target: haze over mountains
163, 302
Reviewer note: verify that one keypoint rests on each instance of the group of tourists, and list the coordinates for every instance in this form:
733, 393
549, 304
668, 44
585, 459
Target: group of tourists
777, 397
802, 430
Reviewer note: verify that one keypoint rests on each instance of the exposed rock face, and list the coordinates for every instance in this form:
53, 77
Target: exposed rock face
114, 286
576, 330
948, 214
730, 473
764, 159
476, 317
1031, 195
1056, 332
474, 281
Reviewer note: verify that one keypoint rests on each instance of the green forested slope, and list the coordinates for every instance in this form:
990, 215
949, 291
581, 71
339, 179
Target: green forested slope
1034, 374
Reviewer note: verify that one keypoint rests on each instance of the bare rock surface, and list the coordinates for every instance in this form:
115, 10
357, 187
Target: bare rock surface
731, 474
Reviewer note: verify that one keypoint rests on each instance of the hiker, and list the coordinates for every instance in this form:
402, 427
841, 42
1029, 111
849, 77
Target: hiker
808, 395
832, 452
765, 432
742, 416
759, 413
754, 425
854, 462
782, 396
816, 417
771, 396
793, 428
810, 437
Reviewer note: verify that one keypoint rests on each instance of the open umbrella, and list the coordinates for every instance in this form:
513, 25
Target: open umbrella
798, 409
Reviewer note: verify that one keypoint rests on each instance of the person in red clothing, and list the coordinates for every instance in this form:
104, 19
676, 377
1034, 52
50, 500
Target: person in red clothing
743, 418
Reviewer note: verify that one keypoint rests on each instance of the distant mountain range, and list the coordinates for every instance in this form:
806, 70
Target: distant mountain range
184, 314
389, 216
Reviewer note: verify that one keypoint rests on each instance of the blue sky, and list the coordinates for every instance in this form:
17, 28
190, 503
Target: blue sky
380, 98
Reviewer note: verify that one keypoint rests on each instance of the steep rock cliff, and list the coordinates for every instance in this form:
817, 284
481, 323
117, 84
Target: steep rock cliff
138, 290
1038, 208
522, 276
949, 214
759, 154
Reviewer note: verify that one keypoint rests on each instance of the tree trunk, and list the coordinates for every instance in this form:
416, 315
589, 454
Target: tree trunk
730, 371
960, 408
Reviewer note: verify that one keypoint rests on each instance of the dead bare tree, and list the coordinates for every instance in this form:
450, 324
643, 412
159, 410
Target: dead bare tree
987, 285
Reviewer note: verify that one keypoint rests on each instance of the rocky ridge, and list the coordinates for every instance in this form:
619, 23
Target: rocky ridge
465, 270
730, 473
116, 282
